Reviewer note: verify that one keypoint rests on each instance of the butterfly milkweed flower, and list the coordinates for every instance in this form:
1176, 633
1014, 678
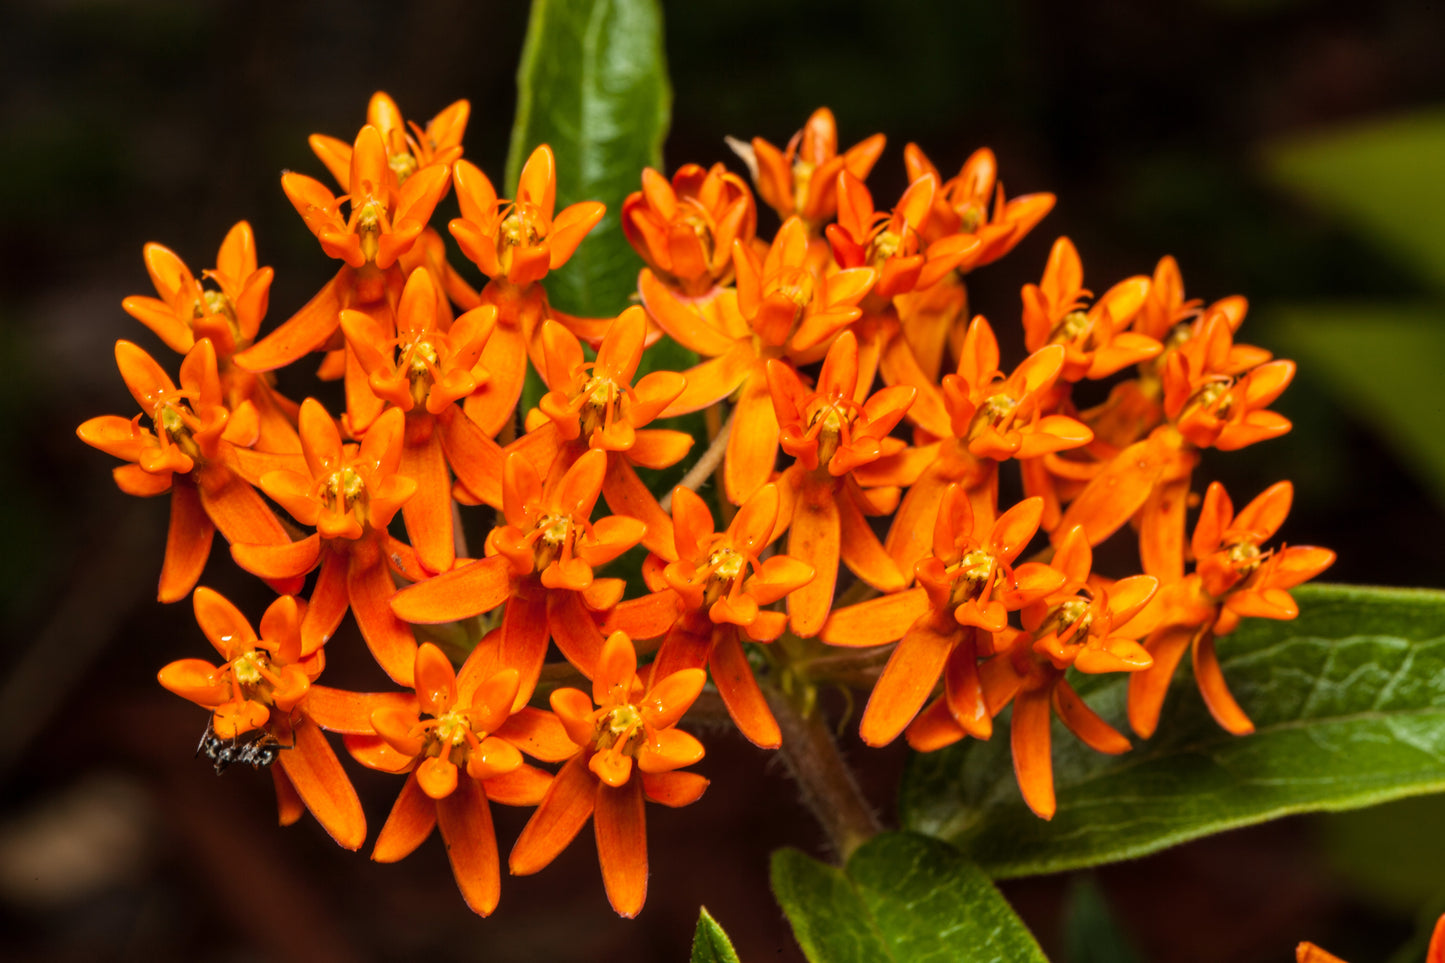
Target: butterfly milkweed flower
350, 494
424, 370
379, 226
801, 180
1234, 577
263, 685
515, 243
460, 745
595, 405
225, 306
540, 564
196, 449
966, 589
721, 604
627, 751
783, 309
684, 230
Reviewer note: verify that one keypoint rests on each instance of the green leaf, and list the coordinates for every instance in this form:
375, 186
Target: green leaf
902, 899
1384, 177
1383, 361
709, 943
593, 84
1349, 706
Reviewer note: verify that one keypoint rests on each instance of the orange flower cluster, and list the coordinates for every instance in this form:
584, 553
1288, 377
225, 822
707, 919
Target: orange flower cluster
820, 468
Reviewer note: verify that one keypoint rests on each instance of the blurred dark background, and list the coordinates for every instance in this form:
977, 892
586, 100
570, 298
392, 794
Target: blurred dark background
1155, 124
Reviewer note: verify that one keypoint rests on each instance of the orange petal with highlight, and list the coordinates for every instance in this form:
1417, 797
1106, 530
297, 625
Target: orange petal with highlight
560, 816
621, 829
317, 775
465, 821
413, 816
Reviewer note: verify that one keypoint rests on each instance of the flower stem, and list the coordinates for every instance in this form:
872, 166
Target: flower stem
827, 784
706, 465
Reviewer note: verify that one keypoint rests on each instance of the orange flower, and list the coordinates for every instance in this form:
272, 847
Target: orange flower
424, 371
1215, 391
840, 447
1233, 578
461, 746
1097, 341
594, 405
632, 725
967, 588
990, 419
540, 564
685, 230
229, 313
721, 604
891, 243
1091, 629
801, 180
197, 453
409, 148
782, 309
962, 206
263, 684
381, 224
515, 244
350, 494
520, 241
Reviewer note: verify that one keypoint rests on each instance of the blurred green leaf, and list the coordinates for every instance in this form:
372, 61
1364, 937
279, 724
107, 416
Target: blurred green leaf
1383, 361
902, 898
709, 943
1384, 177
1349, 707
1091, 933
593, 84
1389, 854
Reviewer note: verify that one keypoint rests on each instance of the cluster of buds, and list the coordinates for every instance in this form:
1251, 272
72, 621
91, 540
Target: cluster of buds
853, 408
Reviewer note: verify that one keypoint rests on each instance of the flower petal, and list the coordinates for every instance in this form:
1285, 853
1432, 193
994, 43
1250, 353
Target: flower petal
413, 816
465, 821
314, 770
621, 828
560, 816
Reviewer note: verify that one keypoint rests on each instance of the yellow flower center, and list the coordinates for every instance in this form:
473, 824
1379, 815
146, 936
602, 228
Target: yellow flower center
972, 576
601, 404
1070, 619
521, 227
554, 536
1070, 327
620, 727
885, 245
970, 215
802, 179
171, 422
724, 566
450, 729
996, 411
420, 360
342, 490
834, 423
247, 669
368, 225
1214, 396
1245, 557
403, 165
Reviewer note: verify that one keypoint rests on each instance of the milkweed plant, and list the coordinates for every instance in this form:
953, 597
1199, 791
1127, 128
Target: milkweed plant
776, 465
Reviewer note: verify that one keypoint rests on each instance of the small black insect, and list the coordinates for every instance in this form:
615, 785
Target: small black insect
258, 752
